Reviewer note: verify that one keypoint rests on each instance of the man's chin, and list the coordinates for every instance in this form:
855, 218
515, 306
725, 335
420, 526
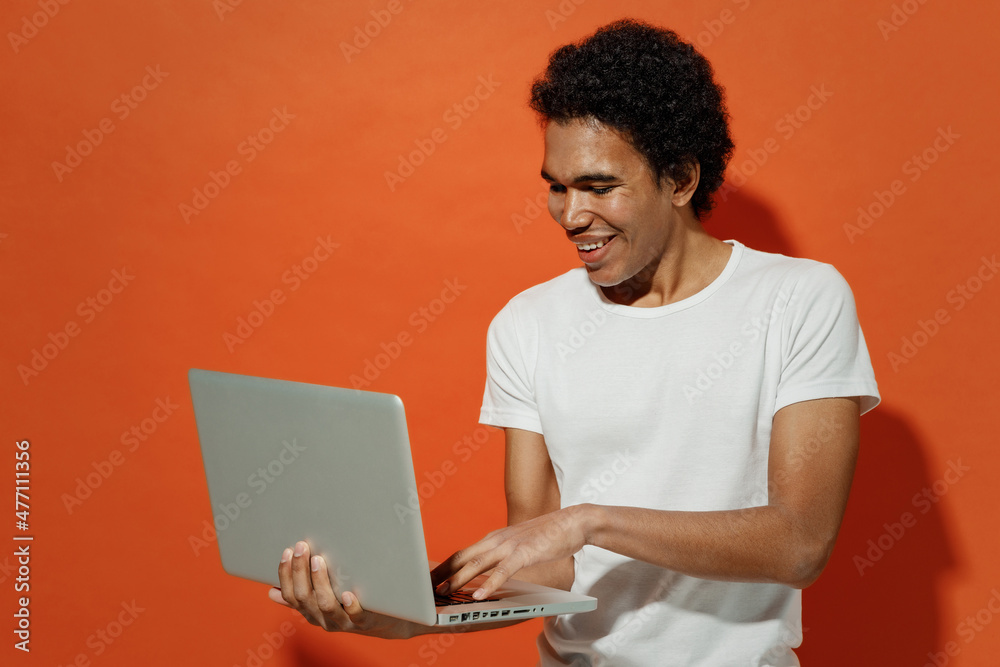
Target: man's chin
603, 278
615, 287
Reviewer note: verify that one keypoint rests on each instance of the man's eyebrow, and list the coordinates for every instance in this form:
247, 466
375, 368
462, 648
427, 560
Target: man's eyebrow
597, 177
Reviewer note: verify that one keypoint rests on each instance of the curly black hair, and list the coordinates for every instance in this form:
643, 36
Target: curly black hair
651, 86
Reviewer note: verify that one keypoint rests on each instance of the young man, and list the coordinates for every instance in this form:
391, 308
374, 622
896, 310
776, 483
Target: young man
681, 413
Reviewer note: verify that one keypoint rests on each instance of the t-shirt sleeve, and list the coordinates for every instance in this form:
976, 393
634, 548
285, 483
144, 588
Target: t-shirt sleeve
823, 349
508, 400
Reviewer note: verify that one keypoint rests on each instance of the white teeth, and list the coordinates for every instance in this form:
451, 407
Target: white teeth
593, 246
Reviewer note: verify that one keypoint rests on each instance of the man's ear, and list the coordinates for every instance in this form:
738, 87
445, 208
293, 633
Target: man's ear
684, 189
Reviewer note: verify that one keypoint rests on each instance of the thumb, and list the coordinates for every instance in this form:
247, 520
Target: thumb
352, 606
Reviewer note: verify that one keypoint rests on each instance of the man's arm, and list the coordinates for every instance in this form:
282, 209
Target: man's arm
532, 491
813, 451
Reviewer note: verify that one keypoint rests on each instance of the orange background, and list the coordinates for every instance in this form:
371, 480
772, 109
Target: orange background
323, 175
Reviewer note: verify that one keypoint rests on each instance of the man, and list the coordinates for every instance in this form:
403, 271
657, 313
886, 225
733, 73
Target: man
681, 413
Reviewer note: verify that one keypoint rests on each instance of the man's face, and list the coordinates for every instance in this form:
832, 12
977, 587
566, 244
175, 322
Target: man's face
601, 190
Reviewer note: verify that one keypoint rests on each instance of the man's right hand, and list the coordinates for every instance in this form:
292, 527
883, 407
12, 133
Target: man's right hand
306, 587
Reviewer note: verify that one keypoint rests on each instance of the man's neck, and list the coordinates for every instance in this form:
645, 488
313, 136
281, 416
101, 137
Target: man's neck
688, 265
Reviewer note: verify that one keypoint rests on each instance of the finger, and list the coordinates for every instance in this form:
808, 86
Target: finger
458, 561
452, 563
352, 606
285, 579
472, 569
449, 567
275, 594
504, 570
302, 586
326, 599
444, 570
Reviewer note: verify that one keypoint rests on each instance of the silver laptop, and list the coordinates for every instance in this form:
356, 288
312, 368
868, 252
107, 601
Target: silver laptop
288, 461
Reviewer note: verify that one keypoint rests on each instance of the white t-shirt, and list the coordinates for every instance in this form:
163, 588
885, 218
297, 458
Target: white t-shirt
671, 408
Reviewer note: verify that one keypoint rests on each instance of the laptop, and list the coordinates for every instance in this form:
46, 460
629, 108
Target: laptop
289, 461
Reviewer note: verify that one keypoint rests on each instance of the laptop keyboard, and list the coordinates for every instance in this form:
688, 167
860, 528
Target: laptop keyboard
459, 597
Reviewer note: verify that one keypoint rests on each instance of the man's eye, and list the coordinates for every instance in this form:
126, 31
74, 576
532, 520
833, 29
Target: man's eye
601, 191
555, 188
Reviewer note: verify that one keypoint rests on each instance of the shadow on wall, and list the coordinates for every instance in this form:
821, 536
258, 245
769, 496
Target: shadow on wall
327, 650
876, 603
748, 220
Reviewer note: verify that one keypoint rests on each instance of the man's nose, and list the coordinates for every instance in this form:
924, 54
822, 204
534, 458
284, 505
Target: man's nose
574, 214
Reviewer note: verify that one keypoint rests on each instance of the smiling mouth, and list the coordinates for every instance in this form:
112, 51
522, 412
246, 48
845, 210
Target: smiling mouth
595, 253
589, 247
